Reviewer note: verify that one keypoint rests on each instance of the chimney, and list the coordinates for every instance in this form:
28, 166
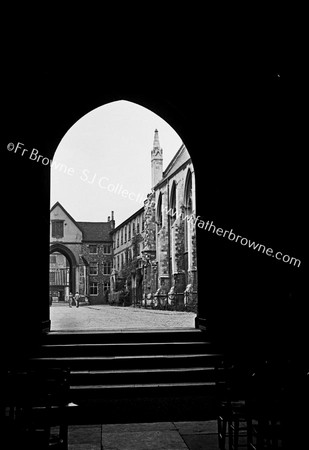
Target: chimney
108, 218
112, 222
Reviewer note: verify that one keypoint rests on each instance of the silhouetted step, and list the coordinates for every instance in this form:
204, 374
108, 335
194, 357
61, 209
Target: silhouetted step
151, 408
161, 374
128, 362
78, 393
133, 376
127, 336
122, 348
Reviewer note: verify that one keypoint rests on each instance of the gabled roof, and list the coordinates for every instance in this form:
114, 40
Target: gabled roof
66, 212
95, 231
180, 158
92, 231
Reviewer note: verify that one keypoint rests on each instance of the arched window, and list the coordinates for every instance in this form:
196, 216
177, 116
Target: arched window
172, 208
187, 207
159, 212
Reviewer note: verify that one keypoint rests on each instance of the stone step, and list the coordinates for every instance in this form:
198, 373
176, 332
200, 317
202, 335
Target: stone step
127, 336
127, 361
123, 348
139, 376
161, 373
103, 391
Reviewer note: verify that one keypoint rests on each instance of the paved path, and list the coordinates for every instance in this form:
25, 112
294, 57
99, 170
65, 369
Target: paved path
145, 436
106, 317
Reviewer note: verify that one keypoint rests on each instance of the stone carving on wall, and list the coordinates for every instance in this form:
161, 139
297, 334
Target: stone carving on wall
149, 224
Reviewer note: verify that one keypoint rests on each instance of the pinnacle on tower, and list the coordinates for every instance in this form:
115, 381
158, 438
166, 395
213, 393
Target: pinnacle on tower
156, 151
156, 143
156, 160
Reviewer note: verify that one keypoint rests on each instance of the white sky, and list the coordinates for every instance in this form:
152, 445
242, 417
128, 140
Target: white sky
107, 147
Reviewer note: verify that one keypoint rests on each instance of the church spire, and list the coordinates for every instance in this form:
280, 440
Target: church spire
156, 160
156, 143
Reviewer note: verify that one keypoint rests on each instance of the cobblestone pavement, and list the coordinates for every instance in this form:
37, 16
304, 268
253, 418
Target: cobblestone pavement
106, 317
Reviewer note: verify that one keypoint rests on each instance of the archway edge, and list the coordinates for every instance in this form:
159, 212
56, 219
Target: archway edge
65, 251
58, 247
164, 109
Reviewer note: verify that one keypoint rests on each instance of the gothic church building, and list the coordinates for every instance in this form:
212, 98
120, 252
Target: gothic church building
162, 267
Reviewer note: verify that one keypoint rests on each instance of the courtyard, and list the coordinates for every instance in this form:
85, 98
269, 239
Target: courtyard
107, 317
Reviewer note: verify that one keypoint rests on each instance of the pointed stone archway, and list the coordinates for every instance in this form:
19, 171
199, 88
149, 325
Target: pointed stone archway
65, 251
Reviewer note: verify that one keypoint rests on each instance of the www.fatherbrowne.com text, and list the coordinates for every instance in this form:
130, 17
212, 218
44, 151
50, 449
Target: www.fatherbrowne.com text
232, 236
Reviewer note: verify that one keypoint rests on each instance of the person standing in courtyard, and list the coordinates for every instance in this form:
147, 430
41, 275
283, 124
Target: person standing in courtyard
70, 299
76, 298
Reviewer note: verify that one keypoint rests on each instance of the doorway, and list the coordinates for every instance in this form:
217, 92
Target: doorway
59, 277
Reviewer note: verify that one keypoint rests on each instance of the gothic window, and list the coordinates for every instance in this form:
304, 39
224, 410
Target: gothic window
159, 212
172, 209
187, 206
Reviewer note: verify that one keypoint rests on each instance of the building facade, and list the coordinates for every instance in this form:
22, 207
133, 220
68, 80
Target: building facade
59, 277
147, 260
126, 279
85, 251
161, 269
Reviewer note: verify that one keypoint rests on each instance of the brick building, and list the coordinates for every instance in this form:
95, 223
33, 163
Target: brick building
87, 248
126, 279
